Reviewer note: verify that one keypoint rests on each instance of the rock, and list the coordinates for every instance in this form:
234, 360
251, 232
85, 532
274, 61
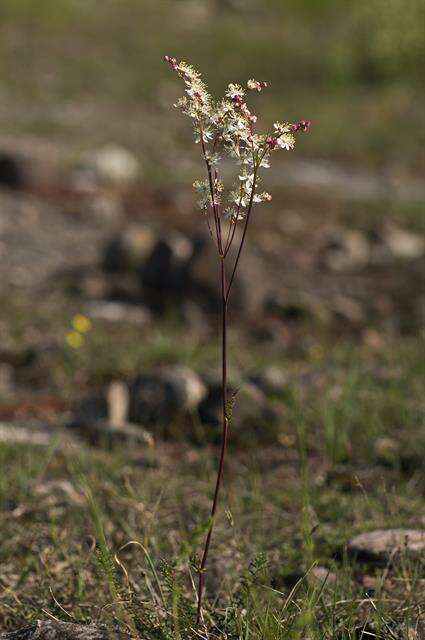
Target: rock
346, 250
253, 419
18, 357
317, 576
404, 244
130, 249
393, 242
161, 396
58, 493
345, 308
295, 307
105, 207
7, 384
167, 267
192, 14
56, 630
195, 318
387, 451
103, 433
118, 399
18, 434
250, 286
13, 174
322, 575
271, 380
103, 419
115, 165
380, 546
118, 312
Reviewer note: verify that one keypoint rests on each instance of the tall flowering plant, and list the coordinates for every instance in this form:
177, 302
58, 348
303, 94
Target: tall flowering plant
227, 128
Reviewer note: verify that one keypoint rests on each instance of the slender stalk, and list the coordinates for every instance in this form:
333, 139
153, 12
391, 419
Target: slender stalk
225, 293
225, 430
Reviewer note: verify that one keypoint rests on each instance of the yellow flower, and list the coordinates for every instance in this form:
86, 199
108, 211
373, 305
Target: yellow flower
81, 323
74, 339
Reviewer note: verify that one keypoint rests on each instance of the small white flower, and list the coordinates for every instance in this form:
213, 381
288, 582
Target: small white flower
286, 141
234, 91
233, 214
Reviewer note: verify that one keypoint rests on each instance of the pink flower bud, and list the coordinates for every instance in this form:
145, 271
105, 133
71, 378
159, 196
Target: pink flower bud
171, 61
271, 141
302, 125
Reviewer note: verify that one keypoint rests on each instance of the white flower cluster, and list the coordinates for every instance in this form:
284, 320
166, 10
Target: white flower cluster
228, 126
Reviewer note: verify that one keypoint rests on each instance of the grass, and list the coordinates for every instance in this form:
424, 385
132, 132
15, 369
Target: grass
288, 508
74, 69
114, 535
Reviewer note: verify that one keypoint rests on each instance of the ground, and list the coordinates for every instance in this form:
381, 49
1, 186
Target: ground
112, 533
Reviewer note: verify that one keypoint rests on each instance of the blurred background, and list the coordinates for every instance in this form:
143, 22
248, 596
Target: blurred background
108, 302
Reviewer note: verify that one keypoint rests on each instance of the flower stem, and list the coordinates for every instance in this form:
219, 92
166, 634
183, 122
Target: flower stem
224, 436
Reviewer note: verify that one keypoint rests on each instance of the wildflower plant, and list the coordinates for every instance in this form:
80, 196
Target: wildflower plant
227, 129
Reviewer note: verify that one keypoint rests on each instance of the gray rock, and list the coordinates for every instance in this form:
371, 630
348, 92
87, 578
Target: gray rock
294, 307
382, 545
271, 380
250, 286
102, 433
7, 384
345, 308
322, 575
252, 420
167, 266
394, 242
387, 451
13, 172
115, 165
56, 630
346, 250
58, 493
130, 249
18, 434
118, 312
161, 396
103, 419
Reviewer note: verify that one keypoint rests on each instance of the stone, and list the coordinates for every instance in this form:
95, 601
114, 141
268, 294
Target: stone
404, 244
345, 308
293, 307
114, 164
7, 384
250, 286
103, 433
18, 434
57, 630
394, 242
387, 451
118, 399
102, 420
322, 575
253, 420
58, 493
167, 266
118, 312
105, 207
159, 397
130, 249
13, 174
272, 380
346, 250
382, 545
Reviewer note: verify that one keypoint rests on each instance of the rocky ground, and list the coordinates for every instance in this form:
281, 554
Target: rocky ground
109, 387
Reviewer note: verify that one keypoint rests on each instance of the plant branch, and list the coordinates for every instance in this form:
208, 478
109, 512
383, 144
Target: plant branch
224, 437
